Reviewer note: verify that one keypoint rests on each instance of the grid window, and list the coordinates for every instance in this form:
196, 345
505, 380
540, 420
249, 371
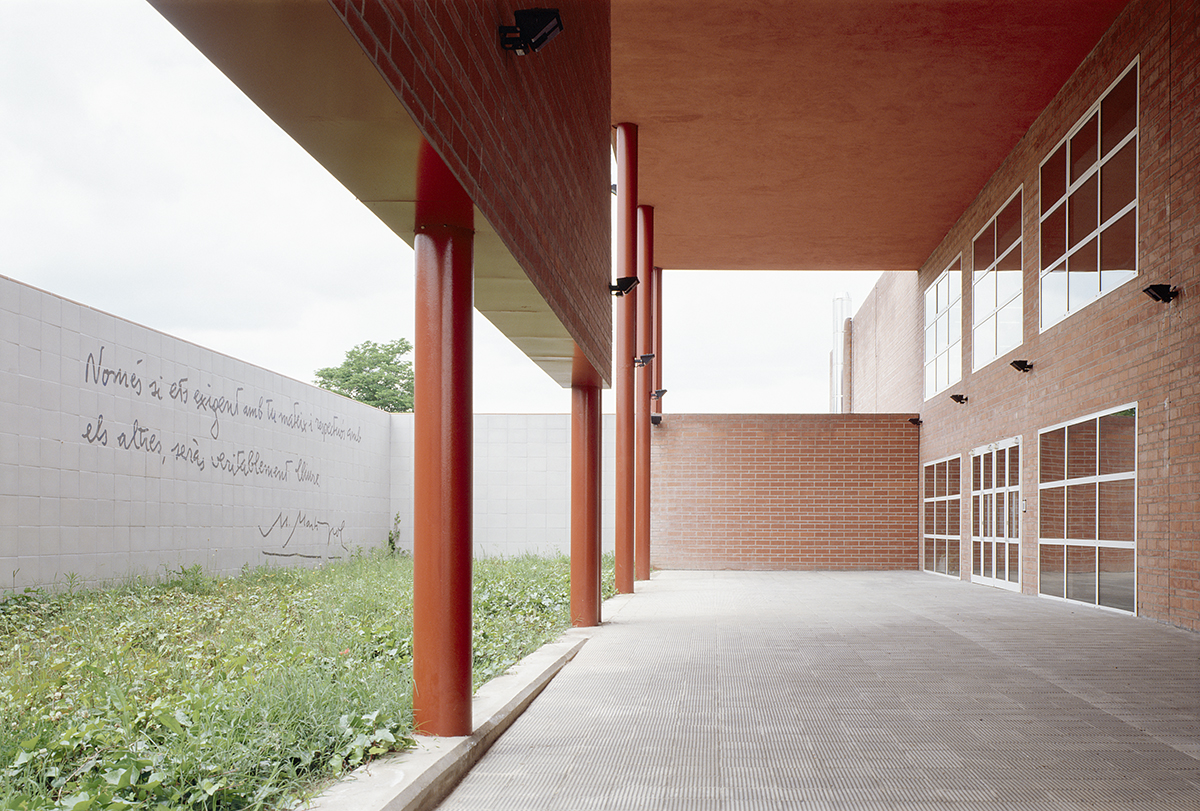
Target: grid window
1087, 505
996, 514
996, 285
943, 330
1088, 219
942, 504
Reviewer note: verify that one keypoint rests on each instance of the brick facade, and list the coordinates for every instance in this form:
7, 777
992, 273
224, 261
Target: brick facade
785, 491
885, 342
528, 137
1121, 349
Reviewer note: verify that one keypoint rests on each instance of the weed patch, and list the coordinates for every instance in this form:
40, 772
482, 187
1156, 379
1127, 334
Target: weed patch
207, 693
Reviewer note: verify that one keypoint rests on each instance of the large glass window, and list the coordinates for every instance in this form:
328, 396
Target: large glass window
996, 284
942, 503
1087, 505
996, 514
1088, 220
943, 330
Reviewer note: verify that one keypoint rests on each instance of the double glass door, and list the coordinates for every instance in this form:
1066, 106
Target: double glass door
996, 514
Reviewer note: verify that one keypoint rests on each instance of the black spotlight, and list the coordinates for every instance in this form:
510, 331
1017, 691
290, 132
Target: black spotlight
623, 285
961, 399
1161, 292
657, 394
535, 27
655, 419
642, 360
1022, 365
915, 420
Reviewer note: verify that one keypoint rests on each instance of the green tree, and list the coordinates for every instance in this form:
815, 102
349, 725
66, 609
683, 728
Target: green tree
375, 374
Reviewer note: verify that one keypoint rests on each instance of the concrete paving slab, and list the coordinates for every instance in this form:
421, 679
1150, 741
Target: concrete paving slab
891, 690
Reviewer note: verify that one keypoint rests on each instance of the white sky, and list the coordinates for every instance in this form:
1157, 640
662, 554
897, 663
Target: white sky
136, 179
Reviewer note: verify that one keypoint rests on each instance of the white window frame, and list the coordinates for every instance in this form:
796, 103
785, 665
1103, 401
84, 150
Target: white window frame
1046, 319
943, 330
1010, 491
1096, 479
947, 538
981, 277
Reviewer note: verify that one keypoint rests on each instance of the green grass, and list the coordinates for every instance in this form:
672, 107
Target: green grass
247, 692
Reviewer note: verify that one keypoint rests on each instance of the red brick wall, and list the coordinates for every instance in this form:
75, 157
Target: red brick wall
1121, 349
1169, 530
528, 137
785, 491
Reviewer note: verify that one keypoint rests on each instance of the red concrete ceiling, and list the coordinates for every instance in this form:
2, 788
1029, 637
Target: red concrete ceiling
831, 134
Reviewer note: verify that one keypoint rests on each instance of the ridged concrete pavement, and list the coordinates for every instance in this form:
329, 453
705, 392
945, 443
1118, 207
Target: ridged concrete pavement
895, 690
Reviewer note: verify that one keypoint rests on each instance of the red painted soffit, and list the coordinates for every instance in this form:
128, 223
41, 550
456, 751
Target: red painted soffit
831, 134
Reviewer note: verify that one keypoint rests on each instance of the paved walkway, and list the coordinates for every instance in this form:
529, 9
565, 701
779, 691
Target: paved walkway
897, 690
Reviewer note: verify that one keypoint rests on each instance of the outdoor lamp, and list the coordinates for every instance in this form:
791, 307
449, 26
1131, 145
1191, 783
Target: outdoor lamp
1022, 365
1161, 292
535, 27
642, 360
961, 399
658, 394
623, 285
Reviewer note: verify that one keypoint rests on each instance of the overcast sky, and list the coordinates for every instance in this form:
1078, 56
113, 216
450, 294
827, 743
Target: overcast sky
135, 178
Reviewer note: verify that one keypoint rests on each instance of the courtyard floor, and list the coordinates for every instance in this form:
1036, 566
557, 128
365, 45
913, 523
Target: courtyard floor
882, 690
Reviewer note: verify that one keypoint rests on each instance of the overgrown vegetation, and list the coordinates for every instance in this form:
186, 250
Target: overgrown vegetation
208, 693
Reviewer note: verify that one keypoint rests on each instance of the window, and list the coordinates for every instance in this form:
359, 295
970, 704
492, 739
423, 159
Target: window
996, 514
1088, 219
942, 504
997, 285
1087, 503
943, 330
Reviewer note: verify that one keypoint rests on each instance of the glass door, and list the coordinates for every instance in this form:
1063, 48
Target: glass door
996, 514
941, 525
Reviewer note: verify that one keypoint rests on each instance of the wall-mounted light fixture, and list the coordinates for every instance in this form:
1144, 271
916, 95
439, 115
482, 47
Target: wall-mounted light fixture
614, 188
1022, 365
961, 399
623, 285
642, 360
655, 419
535, 27
915, 420
657, 394
1161, 292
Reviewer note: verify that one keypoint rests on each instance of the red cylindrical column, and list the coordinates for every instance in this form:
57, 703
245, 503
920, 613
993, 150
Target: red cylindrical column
442, 503
644, 379
585, 493
656, 275
625, 339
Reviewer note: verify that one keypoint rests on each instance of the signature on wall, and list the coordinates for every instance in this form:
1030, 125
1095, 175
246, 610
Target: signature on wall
289, 524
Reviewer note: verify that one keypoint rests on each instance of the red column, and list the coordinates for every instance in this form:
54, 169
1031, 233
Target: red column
585, 493
443, 450
644, 379
625, 338
656, 275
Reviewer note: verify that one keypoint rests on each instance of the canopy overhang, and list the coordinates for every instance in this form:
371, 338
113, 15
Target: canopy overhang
831, 134
801, 135
297, 61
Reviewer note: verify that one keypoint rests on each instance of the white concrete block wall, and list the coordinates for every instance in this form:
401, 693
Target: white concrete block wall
400, 511
124, 450
522, 484
127, 451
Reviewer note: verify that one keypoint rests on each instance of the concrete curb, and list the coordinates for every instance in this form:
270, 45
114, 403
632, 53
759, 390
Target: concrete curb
421, 778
